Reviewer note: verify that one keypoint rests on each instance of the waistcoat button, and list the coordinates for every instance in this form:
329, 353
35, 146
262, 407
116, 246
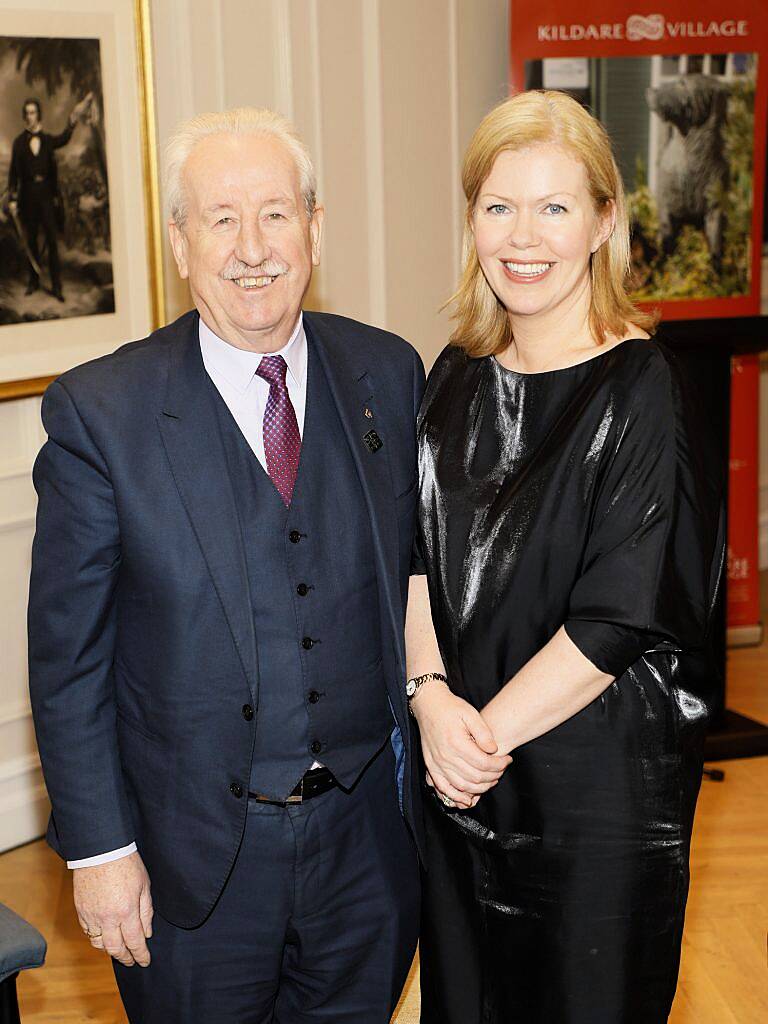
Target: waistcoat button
307, 643
247, 712
302, 590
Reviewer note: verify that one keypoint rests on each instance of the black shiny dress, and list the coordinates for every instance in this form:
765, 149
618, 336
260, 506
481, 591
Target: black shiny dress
582, 497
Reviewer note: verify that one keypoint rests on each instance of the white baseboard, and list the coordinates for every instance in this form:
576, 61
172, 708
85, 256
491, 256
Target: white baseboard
24, 806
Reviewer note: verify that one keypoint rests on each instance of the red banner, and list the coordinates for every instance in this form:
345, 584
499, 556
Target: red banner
683, 95
743, 578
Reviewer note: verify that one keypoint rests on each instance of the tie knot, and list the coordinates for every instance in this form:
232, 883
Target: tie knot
273, 369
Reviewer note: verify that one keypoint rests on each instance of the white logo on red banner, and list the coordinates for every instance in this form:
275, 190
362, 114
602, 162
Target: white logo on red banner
640, 27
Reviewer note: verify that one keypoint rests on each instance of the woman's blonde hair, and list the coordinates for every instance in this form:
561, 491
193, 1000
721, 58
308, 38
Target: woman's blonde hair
516, 123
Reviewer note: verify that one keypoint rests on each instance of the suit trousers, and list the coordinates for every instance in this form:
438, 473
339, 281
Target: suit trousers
318, 921
38, 211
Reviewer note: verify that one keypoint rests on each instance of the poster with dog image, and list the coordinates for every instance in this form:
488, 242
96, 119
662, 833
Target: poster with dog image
684, 102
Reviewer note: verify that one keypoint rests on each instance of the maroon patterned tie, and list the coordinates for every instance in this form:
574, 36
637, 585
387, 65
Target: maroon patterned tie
282, 440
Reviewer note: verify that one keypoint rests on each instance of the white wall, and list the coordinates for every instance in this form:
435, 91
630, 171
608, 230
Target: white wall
23, 803
386, 93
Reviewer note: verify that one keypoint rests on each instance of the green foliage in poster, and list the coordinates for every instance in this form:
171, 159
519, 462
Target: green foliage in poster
687, 272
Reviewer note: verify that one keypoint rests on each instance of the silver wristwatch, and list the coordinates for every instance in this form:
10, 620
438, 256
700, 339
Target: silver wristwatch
412, 686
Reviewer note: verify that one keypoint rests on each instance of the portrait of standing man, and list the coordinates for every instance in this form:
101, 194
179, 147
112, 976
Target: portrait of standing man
217, 601
33, 187
55, 197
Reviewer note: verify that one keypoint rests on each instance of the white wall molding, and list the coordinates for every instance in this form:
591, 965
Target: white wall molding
24, 805
23, 815
283, 68
317, 93
15, 469
18, 767
374, 164
18, 711
12, 523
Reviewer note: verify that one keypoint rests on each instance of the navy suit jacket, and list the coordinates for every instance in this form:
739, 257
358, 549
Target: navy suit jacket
142, 642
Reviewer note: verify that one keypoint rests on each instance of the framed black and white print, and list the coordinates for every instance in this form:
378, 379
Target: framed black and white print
80, 271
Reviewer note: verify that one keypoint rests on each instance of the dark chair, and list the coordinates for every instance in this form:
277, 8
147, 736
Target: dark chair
21, 946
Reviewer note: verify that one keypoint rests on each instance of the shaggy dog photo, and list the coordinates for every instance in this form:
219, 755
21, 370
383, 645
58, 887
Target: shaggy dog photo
693, 171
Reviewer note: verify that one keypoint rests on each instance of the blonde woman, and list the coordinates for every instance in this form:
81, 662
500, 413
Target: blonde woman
569, 528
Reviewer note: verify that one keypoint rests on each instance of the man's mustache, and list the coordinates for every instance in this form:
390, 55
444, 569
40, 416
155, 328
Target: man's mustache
269, 268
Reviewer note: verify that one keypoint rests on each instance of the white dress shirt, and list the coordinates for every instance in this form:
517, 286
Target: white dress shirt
233, 371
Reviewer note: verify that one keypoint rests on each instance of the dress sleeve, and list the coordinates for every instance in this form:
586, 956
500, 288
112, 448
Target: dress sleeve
654, 553
418, 565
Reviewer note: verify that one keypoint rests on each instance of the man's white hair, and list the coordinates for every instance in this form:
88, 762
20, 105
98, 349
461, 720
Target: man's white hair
240, 121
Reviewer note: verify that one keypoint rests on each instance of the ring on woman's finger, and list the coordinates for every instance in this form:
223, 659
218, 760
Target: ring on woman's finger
447, 800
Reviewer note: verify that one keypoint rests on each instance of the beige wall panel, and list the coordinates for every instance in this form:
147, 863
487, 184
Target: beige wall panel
303, 20
305, 93
205, 58
16, 530
249, 52
483, 62
188, 80
418, 169
17, 734
345, 278
14, 417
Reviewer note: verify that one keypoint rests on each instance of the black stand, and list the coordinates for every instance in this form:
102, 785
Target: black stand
705, 348
9, 1005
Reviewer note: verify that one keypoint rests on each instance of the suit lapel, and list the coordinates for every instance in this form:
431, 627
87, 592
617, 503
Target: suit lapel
353, 390
191, 436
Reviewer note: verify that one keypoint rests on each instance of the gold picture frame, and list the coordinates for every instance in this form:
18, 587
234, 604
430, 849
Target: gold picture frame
130, 109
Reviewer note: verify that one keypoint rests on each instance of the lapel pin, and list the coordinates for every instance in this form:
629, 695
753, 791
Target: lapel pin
373, 441
367, 413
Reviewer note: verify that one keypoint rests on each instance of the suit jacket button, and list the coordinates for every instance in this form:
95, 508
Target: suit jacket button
313, 696
236, 789
302, 590
307, 643
247, 712
294, 536
316, 747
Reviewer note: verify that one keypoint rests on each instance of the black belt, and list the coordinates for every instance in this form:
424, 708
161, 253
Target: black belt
315, 782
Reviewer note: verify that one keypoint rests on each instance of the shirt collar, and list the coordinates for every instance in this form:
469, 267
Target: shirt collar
238, 366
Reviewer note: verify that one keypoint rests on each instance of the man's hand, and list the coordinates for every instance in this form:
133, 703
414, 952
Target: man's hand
114, 908
459, 749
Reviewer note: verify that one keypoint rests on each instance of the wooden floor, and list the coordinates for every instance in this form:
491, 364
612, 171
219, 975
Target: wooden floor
723, 980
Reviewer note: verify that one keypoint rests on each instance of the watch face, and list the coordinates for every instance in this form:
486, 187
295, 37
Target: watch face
410, 688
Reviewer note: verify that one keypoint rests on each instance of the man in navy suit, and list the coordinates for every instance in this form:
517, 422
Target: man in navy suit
216, 618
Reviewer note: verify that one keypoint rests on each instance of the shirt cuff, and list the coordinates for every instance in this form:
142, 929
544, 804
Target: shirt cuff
103, 858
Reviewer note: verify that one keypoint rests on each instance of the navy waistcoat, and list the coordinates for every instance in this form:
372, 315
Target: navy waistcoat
313, 591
